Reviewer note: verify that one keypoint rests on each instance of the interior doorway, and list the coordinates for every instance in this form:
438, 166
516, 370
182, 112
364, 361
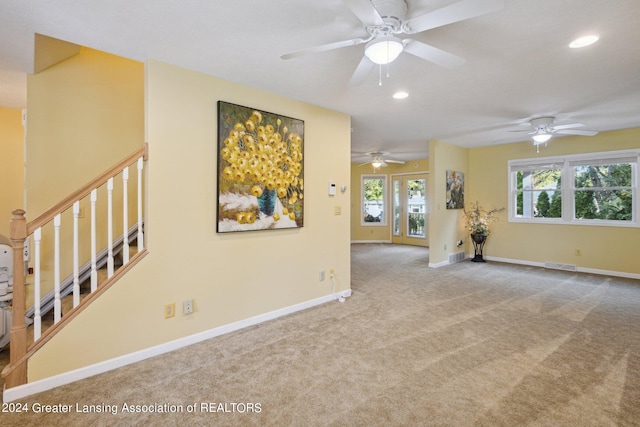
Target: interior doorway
410, 210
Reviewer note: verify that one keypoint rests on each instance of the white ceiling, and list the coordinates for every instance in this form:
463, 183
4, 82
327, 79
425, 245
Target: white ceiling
518, 65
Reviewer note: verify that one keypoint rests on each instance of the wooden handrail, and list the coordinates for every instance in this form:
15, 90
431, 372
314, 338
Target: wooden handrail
83, 191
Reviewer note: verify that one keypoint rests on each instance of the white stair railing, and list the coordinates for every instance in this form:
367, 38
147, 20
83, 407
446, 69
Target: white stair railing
76, 255
125, 215
110, 265
140, 235
58, 227
94, 261
67, 252
37, 321
57, 305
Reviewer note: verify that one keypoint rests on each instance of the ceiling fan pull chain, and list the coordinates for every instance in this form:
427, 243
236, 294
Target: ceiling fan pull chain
380, 76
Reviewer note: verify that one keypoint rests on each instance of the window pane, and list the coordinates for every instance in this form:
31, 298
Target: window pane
615, 205
416, 207
373, 191
617, 175
603, 192
549, 204
396, 207
538, 193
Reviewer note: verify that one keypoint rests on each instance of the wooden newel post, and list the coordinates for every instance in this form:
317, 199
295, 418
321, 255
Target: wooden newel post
18, 333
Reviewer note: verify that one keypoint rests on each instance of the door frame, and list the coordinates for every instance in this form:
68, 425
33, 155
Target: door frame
403, 239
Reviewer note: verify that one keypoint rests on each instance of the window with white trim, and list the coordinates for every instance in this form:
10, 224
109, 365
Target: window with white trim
538, 192
374, 190
595, 189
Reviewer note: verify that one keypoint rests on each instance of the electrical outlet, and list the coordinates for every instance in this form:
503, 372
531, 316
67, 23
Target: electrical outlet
321, 276
578, 252
187, 306
169, 310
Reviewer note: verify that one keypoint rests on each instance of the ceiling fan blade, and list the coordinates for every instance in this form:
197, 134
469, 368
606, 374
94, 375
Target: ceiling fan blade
433, 54
361, 73
400, 162
365, 163
324, 48
384, 164
365, 12
577, 132
465, 9
569, 126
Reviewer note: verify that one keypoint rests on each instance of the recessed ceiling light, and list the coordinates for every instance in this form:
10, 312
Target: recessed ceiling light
583, 41
400, 95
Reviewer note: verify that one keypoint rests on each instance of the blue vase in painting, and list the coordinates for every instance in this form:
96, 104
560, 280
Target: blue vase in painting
267, 202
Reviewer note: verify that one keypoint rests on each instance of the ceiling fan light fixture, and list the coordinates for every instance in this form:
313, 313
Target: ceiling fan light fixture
376, 163
541, 138
383, 50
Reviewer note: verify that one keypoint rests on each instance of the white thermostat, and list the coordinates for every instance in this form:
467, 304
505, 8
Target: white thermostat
332, 188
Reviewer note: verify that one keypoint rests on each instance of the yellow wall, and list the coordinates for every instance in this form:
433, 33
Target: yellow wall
85, 114
231, 276
445, 225
374, 233
603, 248
12, 166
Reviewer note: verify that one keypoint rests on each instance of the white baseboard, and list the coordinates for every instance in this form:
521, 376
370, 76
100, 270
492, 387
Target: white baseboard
578, 269
439, 264
44, 384
370, 241
541, 265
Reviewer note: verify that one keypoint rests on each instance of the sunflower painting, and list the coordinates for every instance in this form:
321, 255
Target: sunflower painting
260, 170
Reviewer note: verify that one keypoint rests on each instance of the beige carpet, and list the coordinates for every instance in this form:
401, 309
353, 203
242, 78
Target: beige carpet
465, 345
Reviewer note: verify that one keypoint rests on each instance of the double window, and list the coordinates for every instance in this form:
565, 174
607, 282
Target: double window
596, 188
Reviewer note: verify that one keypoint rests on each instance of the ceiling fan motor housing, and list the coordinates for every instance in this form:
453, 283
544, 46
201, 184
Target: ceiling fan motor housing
392, 12
543, 124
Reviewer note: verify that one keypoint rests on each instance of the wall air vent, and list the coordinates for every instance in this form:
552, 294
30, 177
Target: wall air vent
557, 266
458, 256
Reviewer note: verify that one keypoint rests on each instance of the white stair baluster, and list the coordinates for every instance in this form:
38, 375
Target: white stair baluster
125, 216
76, 267
140, 235
94, 267
57, 304
37, 320
110, 227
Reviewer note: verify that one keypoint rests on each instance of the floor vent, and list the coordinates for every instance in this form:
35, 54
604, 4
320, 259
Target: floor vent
557, 266
458, 256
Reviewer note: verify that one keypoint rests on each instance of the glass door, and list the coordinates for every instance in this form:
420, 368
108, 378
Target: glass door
410, 213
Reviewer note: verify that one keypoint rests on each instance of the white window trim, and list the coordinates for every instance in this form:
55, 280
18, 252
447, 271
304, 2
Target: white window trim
385, 201
568, 187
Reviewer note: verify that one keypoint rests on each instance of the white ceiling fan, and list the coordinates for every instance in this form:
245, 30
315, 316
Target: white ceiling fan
542, 129
378, 160
384, 19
